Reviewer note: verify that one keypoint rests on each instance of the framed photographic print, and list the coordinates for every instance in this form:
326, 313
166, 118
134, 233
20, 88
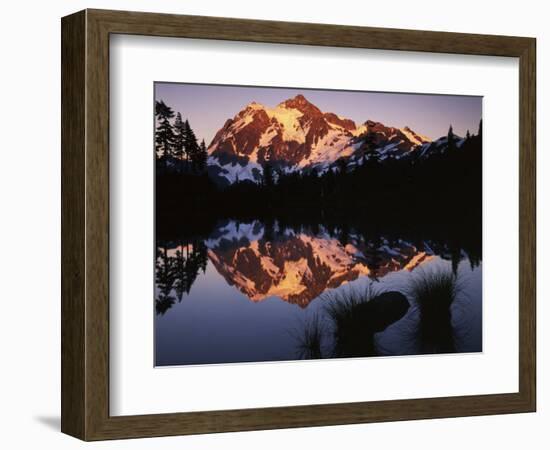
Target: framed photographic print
270, 224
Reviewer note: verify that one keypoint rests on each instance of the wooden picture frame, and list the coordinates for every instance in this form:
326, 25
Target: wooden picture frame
85, 224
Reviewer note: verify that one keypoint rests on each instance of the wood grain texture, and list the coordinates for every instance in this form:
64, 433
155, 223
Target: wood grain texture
97, 225
73, 111
152, 24
527, 224
85, 224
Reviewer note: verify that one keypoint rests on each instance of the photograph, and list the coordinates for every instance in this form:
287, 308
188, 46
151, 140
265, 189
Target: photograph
261, 226
298, 224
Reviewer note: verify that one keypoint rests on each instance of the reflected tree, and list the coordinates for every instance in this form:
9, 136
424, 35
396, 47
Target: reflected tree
164, 277
178, 273
181, 282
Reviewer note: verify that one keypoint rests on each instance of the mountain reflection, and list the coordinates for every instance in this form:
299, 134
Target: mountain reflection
296, 265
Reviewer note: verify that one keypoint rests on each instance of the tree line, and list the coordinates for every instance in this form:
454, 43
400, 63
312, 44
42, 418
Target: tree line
176, 146
176, 273
442, 183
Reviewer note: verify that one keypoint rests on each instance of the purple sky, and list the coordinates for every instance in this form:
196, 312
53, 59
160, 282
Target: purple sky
207, 107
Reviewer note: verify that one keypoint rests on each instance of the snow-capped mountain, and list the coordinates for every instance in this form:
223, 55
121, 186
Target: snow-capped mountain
297, 135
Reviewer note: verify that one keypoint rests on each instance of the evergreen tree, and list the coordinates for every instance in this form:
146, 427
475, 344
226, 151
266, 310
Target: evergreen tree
202, 256
164, 134
201, 158
451, 144
327, 186
164, 271
191, 145
164, 280
371, 158
479, 134
313, 174
342, 165
267, 175
280, 176
179, 137
468, 135
181, 284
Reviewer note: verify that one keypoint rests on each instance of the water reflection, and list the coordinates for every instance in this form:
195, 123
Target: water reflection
325, 292
176, 270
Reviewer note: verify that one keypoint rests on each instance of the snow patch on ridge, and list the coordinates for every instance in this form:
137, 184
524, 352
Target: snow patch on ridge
414, 137
288, 118
266, 138
234, 171
330, 147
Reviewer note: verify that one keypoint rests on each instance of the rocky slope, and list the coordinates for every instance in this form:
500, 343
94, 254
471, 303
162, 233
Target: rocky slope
297, 135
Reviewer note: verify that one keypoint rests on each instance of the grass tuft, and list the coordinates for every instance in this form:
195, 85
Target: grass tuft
351, 320
310, 340
434, 292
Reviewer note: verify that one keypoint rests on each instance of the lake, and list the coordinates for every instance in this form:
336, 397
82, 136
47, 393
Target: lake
251, 292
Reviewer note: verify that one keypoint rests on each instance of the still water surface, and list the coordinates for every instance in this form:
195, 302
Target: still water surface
255, 292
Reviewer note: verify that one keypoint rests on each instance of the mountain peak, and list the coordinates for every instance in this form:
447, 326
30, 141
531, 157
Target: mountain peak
300, 98
297, 135
254, 105
371, 123
302, 104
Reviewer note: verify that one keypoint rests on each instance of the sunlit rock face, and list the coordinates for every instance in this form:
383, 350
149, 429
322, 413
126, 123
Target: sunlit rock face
297, 135
297, 267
